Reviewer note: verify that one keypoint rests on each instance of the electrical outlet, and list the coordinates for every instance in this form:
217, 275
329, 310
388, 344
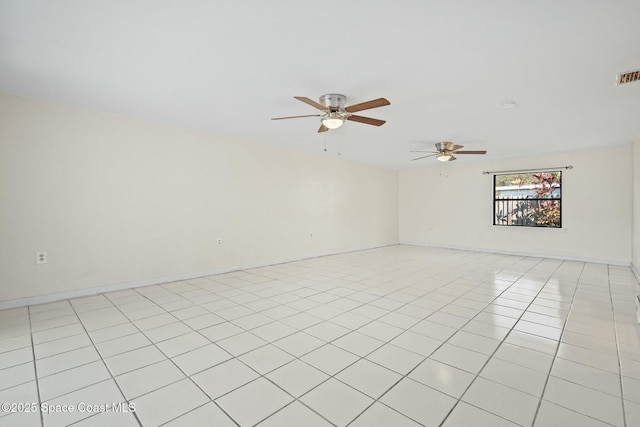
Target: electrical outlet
41, 257
219, 242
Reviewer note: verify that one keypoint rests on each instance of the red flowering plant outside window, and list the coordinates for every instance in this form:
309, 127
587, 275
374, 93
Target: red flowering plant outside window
528, 199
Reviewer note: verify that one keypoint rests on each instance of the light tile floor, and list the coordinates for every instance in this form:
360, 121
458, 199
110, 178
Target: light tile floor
396, 336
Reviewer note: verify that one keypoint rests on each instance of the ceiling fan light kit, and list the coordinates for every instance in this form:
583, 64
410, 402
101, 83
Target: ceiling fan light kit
332, 120
443, 157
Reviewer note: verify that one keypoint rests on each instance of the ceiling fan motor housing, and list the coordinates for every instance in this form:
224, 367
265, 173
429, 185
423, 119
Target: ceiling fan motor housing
444, 146
333, 101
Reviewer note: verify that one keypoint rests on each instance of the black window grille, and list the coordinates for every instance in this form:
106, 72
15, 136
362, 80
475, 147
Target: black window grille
528, 199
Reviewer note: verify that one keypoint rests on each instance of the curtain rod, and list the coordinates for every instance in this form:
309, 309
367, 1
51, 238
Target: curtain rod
528, 170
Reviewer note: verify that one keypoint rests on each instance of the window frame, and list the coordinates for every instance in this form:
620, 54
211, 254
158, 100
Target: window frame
533, 199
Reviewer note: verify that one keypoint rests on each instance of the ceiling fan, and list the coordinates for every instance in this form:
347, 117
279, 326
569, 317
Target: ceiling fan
335, 113
446, 151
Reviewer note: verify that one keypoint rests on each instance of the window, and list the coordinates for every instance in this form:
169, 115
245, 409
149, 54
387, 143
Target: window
528, 199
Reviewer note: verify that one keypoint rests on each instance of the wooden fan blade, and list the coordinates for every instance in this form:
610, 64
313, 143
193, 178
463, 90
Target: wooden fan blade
375, 103
455, 147
452, 158
323, 128
424, 157
311, 102
366, 120
471, 152
296, 117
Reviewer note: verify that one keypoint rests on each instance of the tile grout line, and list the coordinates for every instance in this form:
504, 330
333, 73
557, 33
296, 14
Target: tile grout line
503, 340
444, 342
555, 354
244, 364
404, 376
35, 369
582, 364
405, 330
298, 357
106, 367
359, 358
477, 375
174, 364
615, 330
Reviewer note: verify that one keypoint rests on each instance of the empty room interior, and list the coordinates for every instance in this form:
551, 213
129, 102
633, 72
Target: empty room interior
315, 214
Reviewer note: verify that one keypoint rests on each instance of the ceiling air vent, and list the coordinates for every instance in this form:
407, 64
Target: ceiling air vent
631, 76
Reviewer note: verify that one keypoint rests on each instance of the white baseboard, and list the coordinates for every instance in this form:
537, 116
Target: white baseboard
527, 254
41, 299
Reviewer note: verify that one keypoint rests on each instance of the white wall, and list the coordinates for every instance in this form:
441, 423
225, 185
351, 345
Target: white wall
115, 200
635, 262
450, 205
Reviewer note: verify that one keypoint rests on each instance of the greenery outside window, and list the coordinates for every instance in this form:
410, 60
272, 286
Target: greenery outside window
528, 199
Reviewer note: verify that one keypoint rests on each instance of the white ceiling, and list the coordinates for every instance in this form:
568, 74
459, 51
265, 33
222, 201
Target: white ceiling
228, 66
